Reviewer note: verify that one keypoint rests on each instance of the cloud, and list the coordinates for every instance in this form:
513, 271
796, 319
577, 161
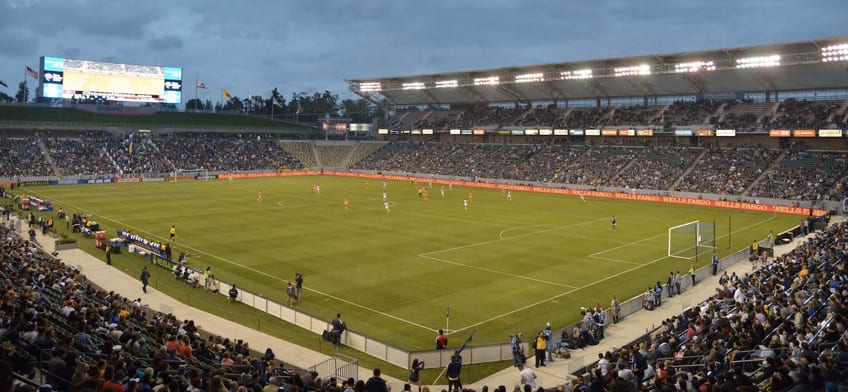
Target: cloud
169, 42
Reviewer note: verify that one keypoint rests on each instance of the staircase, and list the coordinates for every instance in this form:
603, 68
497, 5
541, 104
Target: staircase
106, 153
762, 175
47, 156
304, 151
688, 169
838, 113
719, 112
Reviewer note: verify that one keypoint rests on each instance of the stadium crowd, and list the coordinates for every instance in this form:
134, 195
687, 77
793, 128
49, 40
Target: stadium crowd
804, 175
782, 327
22, 157
744, 116
82, 338
727, 170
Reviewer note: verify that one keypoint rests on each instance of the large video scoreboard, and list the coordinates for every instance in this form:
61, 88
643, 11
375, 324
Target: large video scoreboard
94, 80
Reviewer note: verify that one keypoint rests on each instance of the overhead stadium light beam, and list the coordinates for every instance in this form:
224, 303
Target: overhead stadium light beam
758, 61
838, 52
694, 66
447, 83
413, 86
370, 86
530, 77
488, 81
577, 74
643, 69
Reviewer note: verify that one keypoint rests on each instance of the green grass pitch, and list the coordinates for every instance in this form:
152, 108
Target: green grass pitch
502, 266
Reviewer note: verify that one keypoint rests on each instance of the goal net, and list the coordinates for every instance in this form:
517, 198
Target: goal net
191, 174
688, 240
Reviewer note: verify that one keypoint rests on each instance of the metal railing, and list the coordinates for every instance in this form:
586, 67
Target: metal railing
339, 366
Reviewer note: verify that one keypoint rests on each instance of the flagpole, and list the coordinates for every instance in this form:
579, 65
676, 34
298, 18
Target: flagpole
195, 93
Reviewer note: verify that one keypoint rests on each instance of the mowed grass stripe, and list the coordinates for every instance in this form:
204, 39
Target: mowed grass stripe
370, 258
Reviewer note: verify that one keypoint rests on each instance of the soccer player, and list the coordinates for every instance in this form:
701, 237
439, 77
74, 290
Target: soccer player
385, 196
259, 197
509, 195
450, 186
173, 233
318, 189
612, 221
346, 203
386, 206
465, 204
443, 191
366, 184
582, 198
470, 197
384, 185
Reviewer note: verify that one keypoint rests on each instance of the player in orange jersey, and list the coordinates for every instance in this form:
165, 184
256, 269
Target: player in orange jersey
470, 197
259, 197
346, 203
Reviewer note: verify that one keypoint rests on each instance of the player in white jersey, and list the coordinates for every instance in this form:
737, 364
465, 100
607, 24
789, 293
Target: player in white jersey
318, 189
509, 195
581, 198
465, 204
385, 197
443, 191
386, 206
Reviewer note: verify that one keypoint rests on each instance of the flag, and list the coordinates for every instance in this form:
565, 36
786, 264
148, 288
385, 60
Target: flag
31, 73
201, 85
466, 341
273, 100
227, 94
3, 84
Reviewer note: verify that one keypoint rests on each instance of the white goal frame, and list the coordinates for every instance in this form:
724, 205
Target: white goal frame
199, 174
696, 243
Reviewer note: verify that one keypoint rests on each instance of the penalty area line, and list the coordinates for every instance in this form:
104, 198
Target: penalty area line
658, 259
498, 272
184, 245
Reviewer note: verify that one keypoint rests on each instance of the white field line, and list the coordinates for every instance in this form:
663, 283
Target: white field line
525, 307
615, 260
500, 272
509, 238
152, 235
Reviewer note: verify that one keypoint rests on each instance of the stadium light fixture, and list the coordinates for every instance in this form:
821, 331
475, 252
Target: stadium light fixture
758, 61
489, 81
838, 52
643, 69
447, 83
370, 87
695, 66
578, 74
530, 77
413, 86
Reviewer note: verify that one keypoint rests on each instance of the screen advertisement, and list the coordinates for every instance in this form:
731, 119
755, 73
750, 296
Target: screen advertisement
63, 78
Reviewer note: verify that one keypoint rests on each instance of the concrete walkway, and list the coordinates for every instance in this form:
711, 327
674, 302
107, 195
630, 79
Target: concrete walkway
557, 372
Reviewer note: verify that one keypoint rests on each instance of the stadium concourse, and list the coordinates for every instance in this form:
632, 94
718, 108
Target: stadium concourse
556, 375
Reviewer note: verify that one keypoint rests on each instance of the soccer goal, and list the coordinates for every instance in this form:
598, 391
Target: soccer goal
197, 174
688, 240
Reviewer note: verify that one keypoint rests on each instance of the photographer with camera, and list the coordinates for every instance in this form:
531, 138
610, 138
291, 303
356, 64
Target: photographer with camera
518, 357
414, 370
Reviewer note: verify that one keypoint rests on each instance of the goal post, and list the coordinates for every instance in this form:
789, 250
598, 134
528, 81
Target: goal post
688, 240
193, 174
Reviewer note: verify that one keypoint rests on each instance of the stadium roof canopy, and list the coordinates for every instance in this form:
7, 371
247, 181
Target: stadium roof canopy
810, 65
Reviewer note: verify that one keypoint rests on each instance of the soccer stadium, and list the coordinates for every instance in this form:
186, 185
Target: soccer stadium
658, 222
